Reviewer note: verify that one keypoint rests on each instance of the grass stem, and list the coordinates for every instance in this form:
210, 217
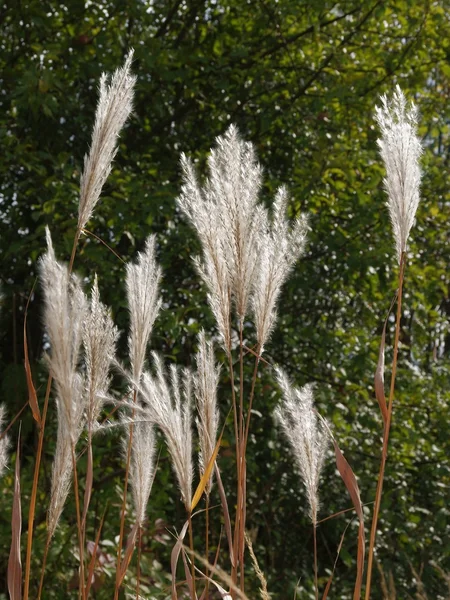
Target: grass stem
387, 427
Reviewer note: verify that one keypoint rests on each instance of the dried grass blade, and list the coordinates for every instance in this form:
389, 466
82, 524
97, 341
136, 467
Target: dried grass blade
14, 561
379, 377
88, 487
131, 542
206, 475
187, 570
330, 579
379, 372
90, 576
221, 575
175, 556
226, 515
32, 396
351, 484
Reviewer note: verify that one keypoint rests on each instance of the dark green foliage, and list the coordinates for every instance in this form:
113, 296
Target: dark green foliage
300, 80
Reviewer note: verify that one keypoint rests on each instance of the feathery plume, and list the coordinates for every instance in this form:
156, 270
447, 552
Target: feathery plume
204, 214
306, 435
114, 106
4, 442
281, 246
206, 380
62, 470
65, 309
99, 341
168, 405
228, 220
142, 280
400, 149
142, 465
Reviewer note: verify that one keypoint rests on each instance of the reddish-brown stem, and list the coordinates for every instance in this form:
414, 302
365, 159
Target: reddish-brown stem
238, 468
138, 568
243, 453
316, 577
387, 427
79, 527
191, 545
242, 473
123, 509
74, 249
44, 564
207, 545
34, 491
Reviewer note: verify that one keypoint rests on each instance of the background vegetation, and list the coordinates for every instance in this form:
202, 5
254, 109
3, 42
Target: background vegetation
300, 80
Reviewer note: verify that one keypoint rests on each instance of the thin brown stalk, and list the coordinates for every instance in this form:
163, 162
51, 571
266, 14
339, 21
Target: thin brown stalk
238, 463
124, 505
44, 564
81, 593
11, 423
241, 478
138, 569
99, 239
316, 578
191, 545
387, 427
244, 451
74, 249
207, 545
34, 491
88, 485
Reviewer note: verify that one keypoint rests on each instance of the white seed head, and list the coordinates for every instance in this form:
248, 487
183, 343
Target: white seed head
281, 246
99, 341
142, 280
114, 106
168, 405
306, 435
142, 465
228, 220
65, 310
62, 471
400, 149
206, 380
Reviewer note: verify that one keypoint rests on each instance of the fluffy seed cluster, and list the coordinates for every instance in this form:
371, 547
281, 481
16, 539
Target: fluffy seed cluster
143, 278
65, 310
400, 149
306, 436
206, 380
167, 403
99, 341
245, 253
114, 106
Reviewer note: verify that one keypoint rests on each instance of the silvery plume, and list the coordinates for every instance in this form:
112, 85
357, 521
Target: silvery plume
4, 442
228, 220
99, 342
306, 435
281, 245
65, 309
142, 280
206, 380
166, 402
142, 462
400, 149
115, 103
